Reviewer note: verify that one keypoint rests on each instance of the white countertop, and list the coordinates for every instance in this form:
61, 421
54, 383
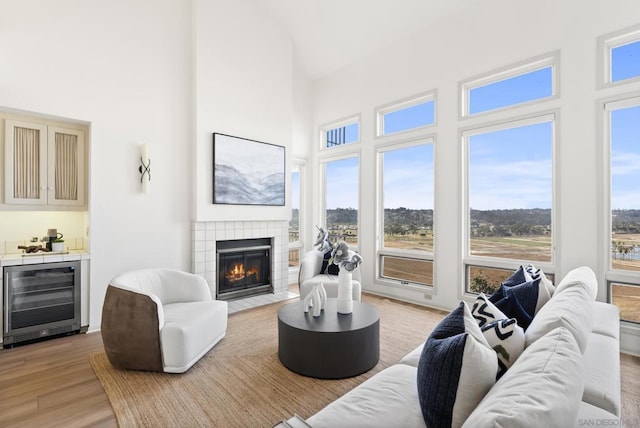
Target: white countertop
26, 259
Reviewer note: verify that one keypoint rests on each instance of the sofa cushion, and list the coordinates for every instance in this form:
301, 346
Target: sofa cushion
606, 319
388, 399
583, 276
602, 373
485, 312
571, 307
413, 357
542, 389
456, 369
507, 339
590, 415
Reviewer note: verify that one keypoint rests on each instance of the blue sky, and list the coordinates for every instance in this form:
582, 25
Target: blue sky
625, 158
510, 168
408, 177
342, 183
295, 190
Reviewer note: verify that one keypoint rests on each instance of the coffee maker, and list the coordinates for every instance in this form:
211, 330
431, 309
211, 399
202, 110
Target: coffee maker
52, 235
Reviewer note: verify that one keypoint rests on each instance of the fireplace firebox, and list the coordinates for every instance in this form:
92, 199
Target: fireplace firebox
244, 268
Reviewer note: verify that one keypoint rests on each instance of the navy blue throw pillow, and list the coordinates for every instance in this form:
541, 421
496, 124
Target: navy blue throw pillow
443, 382
518, 301
519, 276
325, 262
327, 267
512, 307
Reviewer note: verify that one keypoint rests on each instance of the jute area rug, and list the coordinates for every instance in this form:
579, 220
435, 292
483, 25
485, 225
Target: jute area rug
241, 382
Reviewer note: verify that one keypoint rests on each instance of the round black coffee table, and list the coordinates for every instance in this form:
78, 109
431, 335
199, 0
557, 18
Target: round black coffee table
331, 346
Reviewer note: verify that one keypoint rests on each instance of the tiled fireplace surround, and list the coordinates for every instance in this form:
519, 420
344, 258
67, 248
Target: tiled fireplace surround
205, 234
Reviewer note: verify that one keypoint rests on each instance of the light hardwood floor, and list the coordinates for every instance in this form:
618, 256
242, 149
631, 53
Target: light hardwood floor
52, 384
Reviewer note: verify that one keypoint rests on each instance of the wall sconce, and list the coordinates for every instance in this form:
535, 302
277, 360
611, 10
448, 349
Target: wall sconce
145, 168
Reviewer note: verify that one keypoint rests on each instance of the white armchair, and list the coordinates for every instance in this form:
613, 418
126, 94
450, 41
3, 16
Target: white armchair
160, 320
310, 275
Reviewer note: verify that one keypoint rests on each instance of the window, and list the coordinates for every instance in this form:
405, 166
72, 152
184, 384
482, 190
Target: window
535, 80
620, 56
486, 280
622, 119
408, 115
406, 201
624, 128
510, 190
295, 229
341, 196
625, 297
341, 133
625, 61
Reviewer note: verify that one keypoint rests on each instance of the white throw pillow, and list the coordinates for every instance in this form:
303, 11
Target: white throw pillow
543, 389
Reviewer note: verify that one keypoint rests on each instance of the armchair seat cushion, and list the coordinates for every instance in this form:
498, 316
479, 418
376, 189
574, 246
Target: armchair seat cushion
190, 331
330, 284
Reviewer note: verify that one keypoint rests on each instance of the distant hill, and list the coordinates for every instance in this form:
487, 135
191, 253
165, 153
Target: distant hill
499, 222
625, 221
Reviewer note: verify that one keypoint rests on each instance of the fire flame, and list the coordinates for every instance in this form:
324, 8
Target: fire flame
238, 272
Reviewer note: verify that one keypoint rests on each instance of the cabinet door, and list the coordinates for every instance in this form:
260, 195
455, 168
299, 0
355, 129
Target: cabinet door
25, 163
65, 166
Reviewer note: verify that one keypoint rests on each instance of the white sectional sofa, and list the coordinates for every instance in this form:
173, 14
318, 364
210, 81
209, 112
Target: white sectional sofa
568, 374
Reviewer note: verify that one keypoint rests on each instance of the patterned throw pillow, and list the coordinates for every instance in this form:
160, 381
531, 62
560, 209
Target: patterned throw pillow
503, 334
456, 369
328, 268
485, 312
506, 337
538, 274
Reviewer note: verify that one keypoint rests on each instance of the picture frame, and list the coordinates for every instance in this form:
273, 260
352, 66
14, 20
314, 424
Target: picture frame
247, 172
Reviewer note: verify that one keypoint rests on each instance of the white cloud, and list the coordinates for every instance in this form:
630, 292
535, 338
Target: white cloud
522, 184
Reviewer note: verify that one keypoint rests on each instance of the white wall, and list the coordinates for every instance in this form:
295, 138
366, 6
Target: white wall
168, 74
485, 36
303, 137
243, 69
124, 67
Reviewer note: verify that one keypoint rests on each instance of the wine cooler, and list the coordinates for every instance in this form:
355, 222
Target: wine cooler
40, 301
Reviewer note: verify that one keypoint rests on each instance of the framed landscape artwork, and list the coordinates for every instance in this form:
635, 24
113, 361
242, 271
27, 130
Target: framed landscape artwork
247, 172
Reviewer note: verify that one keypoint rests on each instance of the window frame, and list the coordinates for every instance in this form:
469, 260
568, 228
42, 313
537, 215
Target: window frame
549, 267
612, 276
349, 120
606, 43
551, 59
300, 164
402, 104
382, 251
322, 172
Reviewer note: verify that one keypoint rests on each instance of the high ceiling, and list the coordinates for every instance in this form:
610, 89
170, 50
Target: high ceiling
330, 34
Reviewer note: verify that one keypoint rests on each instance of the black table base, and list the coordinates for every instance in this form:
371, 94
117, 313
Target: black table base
331, 346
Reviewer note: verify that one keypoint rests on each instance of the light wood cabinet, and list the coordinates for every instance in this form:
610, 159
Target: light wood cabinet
44, 165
